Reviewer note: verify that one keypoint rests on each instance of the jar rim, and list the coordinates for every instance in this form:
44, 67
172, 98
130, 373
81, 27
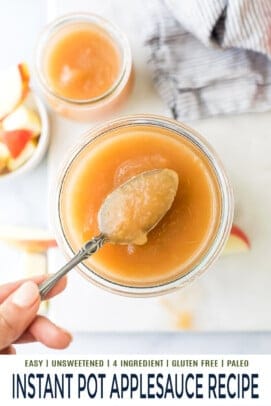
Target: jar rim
224, 225
118, 37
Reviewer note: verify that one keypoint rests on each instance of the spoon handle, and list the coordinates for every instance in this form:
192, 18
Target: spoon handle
86, 251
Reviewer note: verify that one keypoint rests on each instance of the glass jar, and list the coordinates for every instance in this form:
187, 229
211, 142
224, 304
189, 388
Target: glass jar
97, 107
101, 134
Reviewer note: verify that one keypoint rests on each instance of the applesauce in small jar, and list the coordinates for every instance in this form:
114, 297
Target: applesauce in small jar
84, 66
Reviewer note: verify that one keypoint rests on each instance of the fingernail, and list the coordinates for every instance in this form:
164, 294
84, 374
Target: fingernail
26, 295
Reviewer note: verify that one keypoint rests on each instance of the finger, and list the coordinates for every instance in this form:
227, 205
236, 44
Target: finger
47, 333
17, 312
7, 289
8, 350
25, 338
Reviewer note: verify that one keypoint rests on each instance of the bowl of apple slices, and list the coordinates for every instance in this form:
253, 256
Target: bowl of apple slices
24, 127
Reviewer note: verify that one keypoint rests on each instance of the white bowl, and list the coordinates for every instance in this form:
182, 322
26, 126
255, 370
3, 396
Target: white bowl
33, 101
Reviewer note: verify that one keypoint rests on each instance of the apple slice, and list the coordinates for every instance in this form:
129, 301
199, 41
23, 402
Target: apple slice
23, 117
237, 242
4, 156
29, 239
25, 155
14, 85
16, 141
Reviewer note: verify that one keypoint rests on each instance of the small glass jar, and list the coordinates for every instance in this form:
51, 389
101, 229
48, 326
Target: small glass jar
97, 107
224, 220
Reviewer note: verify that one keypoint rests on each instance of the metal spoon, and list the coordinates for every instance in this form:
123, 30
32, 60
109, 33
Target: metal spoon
126, 216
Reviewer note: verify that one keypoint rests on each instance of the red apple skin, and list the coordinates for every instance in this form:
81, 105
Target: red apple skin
238, 242
16, 141
240, 234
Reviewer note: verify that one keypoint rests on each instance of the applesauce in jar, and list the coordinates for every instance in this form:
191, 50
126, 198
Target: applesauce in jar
184, 237
84, 66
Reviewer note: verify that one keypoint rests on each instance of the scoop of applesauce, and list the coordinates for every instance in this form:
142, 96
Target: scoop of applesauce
135, 207
126, 216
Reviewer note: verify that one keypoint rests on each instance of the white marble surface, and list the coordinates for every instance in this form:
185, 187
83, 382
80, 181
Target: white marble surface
24, 202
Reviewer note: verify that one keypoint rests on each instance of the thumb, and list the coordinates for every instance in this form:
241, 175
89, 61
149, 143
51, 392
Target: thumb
17, 312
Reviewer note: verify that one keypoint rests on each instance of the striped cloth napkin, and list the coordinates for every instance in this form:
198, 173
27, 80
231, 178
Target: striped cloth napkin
210, 57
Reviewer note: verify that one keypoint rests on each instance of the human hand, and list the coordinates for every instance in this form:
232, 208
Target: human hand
19, 322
